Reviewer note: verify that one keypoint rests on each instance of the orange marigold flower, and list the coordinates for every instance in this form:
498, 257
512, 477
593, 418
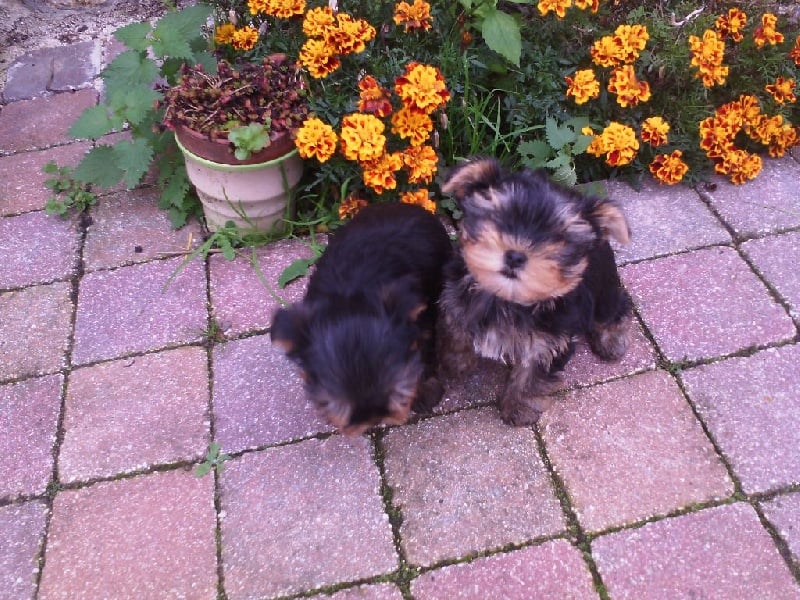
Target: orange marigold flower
409, 123
621, 48
740, 166
583, 86
421, 163
669, 169
224, 33
245, 39
782, 90
414, 17
557, 6
362, 137
654, 131
350, 206
731, 24
707, 55
318, 22
318, 58
750, 108
630, 91
420, 197
618, 142
794, 53
316, 139
766, 33
350, 36
786, 138
594, 5
422, 88
258, 7
373, 98
379, 174
284, 9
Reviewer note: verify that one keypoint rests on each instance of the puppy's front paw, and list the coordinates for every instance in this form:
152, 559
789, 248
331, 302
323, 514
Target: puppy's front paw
519, 411
429, 394
610, 341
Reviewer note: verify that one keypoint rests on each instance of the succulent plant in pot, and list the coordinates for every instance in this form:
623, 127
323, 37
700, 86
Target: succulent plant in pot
234, 128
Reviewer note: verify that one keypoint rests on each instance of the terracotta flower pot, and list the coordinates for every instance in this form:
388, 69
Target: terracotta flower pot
255, 193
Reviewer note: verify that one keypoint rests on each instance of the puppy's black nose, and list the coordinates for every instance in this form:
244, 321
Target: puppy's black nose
515, 259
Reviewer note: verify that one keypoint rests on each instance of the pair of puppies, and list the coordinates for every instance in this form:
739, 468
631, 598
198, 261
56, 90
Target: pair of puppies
533, 272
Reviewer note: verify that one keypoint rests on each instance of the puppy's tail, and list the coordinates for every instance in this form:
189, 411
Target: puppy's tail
475, 174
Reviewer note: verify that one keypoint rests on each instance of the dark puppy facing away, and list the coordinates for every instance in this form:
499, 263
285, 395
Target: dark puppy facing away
364, 335
535, 271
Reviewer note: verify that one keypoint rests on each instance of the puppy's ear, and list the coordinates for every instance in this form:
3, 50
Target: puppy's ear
608, 216
289, 330
476, 174
403, 298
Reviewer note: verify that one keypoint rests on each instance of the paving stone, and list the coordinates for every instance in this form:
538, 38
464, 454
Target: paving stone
56, 69
380, 591
22, 530
129, 227
145, 537
303, 516
479, 386
129, 414
36, 326
259, 397
776, 258
33, 124
138, 308
784, 514
717, 553
664, 220
769, 203
37, 248
704, 304
28, 420
751, 406
240, 298
22, 180
466, 483
553, 570
631, 449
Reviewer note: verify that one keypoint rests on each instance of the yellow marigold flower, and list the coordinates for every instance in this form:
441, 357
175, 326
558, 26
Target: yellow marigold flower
422, 88
350, 206
707, 55
740, 166
557, 6
414, 17
316, 139
318, 58
654, 131
224, 33
785, 139
420, 197
362, 137
318, 22
409, 123
594, 5
421, 162
782, 90
631, 40
618, 142
350, 36
373, 98
258, 7
379, 174
731, 24
245, 39
794, 53
766, 33
583, 86
284, 9
669, 169
604, 52
750, 108
629, 90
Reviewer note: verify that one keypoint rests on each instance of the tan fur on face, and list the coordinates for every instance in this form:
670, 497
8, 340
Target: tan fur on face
470, 174
541, 278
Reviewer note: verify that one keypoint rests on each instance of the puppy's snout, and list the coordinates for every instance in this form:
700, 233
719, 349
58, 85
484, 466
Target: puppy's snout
514, 259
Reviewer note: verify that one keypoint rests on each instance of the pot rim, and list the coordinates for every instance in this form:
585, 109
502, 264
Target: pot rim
233, 168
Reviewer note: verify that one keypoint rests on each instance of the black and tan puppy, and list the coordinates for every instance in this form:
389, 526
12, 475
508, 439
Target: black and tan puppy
534, 271
364, 336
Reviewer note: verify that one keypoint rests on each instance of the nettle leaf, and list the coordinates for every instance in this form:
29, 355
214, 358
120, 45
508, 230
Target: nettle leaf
565, 175
535, 152
558, 137
581, 144
501, 33
135, 104
127, 69
134, 35
94, 122
99, 167
134, 158
175, 31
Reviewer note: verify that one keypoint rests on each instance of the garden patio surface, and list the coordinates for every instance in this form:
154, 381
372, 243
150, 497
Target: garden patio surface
672, 474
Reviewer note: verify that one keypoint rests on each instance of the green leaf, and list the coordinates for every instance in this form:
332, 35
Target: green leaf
174, 32
134, 158
94, 122
128, 69
562, 159
535, 153
558, 137
501, 33
565, 175
203, 469
135, 104
134, 35
297, 269
99, 167
581, 144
